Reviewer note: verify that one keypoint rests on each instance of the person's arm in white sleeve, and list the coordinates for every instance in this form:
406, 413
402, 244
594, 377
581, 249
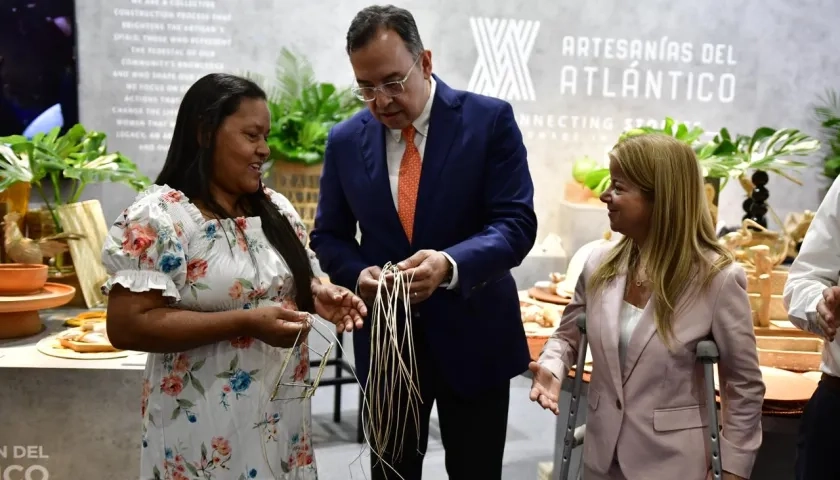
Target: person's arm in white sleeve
817, 266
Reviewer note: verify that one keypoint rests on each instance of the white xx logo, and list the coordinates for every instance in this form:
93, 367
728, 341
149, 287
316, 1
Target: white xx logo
504, 47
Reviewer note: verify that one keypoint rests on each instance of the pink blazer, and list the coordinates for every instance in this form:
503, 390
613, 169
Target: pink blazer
652, 415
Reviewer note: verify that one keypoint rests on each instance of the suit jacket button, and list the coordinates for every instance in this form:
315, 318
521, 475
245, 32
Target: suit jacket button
415, 315
618, 404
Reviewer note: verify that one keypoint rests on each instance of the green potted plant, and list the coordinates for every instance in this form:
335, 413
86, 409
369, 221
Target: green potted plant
598, 179
827, 113
767, 149
303, 110
725, 157
79, 157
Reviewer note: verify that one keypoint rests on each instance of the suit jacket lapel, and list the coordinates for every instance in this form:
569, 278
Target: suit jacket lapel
612, 300
444, 126
638, 340
376, 165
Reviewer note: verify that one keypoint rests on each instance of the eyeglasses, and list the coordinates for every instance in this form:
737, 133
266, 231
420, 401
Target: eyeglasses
390, 89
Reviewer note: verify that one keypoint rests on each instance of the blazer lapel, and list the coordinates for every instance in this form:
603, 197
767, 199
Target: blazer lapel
612, 300
376, 165
639, 340
444, 127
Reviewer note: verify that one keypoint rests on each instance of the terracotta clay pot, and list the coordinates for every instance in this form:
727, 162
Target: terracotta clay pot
22, 279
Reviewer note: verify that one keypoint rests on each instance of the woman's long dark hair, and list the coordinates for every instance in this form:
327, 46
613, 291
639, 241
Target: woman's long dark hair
189, 168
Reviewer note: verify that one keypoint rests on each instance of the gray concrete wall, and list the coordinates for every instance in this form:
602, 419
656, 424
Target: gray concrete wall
576, 72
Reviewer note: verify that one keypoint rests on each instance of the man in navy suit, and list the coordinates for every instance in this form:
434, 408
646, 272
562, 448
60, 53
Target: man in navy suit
437, 180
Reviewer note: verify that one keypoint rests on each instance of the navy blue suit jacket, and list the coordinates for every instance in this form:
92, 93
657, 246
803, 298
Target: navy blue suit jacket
475, 202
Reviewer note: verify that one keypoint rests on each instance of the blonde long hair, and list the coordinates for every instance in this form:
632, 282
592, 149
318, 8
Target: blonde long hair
681, 244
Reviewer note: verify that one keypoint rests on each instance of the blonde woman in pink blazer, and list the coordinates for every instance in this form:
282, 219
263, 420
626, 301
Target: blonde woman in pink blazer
649, 299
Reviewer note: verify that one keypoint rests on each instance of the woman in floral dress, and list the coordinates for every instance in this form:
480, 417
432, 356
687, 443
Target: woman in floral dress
208, 271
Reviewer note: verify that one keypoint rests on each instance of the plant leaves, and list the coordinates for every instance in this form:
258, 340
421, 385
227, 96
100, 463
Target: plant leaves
304, 110
79, 155
13, 168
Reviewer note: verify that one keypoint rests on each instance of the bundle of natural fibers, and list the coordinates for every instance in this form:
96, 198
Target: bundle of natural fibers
391, 395
392, 389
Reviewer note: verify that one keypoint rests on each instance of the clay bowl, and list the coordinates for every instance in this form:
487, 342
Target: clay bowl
21, 279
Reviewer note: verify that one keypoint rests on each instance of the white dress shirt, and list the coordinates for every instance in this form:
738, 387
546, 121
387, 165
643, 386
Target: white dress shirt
394, 150
817, 267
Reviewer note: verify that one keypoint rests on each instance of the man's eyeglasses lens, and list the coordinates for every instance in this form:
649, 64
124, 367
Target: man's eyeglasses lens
368, 94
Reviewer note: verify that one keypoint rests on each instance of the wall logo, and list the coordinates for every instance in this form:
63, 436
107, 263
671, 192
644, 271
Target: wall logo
504, 47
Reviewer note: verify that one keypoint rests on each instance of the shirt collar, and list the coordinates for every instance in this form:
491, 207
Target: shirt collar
421, 124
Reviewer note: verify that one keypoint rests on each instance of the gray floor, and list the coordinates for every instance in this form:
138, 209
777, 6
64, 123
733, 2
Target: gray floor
530, 433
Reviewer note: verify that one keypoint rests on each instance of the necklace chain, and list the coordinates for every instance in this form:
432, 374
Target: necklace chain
639, 281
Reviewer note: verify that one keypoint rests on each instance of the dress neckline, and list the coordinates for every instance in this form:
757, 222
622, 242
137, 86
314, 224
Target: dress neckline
195, 213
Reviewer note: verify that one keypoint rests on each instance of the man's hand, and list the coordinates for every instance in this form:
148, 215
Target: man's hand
369, 283
827, 312
426, 269
545, 388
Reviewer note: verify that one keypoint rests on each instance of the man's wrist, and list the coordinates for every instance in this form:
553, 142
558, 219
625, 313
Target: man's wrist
450, 280
450, 270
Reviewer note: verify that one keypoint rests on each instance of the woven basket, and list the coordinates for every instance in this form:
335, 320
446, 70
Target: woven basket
300, 184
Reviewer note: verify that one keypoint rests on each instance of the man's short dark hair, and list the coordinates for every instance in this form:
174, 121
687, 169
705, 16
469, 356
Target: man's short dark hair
377, 17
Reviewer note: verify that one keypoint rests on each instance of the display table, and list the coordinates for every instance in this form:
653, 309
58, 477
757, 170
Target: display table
80, 419
81, 416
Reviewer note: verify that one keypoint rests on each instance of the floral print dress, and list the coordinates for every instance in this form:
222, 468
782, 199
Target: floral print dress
207, 413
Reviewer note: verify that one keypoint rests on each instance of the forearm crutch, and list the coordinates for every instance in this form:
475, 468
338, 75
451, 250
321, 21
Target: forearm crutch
572, 440
707, 354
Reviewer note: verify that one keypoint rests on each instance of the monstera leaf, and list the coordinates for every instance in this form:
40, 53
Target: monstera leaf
766, 149
108, 168
727, 156
14, 168
79, 155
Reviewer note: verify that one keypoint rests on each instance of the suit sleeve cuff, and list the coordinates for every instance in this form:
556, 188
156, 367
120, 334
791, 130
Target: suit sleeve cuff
736, 460
452, 284
811, 315
811, 310
556, 367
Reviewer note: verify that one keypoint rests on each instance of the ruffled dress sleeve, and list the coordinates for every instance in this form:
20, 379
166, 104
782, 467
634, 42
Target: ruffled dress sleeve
144, 249
288, 210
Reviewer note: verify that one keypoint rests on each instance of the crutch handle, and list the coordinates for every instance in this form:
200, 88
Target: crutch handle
581, 322
707, 352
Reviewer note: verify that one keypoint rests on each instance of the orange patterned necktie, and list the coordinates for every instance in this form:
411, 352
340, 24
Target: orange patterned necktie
409, 182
